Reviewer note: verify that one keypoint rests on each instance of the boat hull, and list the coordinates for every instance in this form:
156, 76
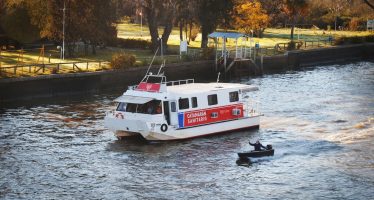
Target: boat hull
256, 154
164, 132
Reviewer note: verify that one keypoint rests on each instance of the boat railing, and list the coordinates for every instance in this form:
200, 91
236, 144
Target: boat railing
180, 82
169, 83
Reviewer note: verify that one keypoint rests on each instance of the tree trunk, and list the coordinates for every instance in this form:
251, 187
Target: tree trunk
165, 35
204, 37
189, 38
152, 25
185, 28
181, 30
293, 26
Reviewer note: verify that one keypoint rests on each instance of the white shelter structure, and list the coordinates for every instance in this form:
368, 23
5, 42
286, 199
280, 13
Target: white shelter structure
229, 56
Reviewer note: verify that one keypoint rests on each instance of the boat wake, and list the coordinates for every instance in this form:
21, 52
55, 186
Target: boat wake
362, 131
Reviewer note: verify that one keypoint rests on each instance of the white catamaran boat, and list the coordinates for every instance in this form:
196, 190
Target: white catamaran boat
161, 110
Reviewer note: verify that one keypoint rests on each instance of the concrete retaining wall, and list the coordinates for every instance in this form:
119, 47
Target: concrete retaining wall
78, 83
303, 58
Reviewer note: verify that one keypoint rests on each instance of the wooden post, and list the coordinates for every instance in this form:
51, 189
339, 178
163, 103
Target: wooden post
87, 67
58, 67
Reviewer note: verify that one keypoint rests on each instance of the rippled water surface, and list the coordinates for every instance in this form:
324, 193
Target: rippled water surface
319, 120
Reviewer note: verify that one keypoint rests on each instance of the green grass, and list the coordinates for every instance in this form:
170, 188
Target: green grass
271, 37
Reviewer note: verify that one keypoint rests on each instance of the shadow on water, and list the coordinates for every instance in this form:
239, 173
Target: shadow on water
210, 144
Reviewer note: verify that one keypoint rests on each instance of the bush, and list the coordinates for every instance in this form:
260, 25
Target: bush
354, 24
122, 61
131, 43
187, 58
194, 32
354, 40
208, 53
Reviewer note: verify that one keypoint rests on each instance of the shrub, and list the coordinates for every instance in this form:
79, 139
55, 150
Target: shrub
208, 53
194, 32
354, 40
187, 57
354, 24
122, 60
130, 43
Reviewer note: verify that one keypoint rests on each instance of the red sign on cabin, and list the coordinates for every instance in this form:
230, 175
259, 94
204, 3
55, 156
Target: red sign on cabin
199, 117
149, 87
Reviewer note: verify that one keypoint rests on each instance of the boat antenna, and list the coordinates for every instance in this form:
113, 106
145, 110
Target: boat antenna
162, 65
219, 73
150, 65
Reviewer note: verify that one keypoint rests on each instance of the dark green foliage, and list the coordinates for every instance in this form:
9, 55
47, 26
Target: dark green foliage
208, 53
354, 40
212, 13
130, 43
16, 25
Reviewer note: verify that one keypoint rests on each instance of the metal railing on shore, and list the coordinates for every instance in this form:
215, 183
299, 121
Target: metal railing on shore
53, 68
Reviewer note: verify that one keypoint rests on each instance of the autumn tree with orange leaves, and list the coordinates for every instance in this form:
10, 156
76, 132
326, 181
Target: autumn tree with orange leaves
249, 16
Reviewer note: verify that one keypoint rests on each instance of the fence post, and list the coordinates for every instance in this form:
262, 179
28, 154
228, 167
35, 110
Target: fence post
99, 64
87, 67
58, 67
15, 70
43, 68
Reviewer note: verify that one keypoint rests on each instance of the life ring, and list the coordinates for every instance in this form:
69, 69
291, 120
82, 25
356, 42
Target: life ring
164, 127
119, 115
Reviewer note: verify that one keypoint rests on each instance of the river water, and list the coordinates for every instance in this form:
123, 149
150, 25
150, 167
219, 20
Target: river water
320, 121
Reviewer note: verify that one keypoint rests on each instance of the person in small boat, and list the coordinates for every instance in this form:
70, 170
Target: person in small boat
258, 146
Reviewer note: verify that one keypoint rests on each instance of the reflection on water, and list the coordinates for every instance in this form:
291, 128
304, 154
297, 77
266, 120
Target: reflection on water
319, 120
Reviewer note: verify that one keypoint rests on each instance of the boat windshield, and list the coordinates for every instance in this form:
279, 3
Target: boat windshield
152, 107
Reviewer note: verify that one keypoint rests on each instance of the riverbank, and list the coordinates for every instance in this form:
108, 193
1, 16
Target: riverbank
311, 57
27, 88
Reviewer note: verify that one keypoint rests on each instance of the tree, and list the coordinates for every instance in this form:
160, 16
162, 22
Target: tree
186, 16
249, 16
371, 5
293, 9
158, 11
16, 24
211, 13
336, 7
89, 21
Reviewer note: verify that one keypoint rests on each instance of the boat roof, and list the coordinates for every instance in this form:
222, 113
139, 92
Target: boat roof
195, 88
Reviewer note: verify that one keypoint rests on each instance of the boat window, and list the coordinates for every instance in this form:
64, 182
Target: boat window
194, 102
173, 107
131, 107
183, 103
234, 96
212, 99
121, 107
151, 107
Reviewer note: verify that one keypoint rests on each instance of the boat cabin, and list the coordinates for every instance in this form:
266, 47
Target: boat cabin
183, 103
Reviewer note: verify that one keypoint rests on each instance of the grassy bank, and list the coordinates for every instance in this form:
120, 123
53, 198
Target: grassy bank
135, 31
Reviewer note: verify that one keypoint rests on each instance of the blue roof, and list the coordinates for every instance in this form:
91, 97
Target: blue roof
226, 35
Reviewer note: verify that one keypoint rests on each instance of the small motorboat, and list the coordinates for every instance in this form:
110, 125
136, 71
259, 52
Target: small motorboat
269, 151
